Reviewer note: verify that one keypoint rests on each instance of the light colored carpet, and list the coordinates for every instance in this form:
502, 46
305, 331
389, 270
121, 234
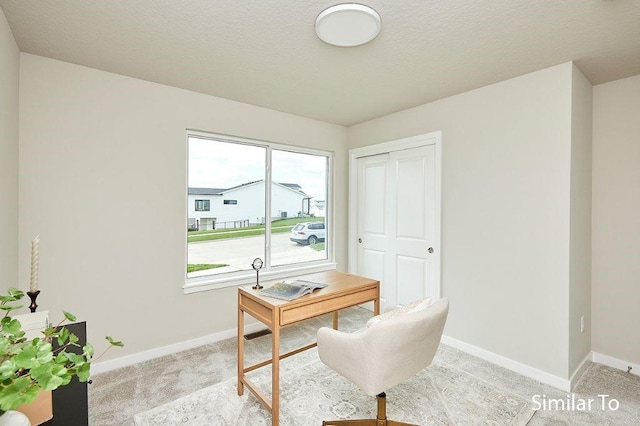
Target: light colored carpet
311, 392
117, 396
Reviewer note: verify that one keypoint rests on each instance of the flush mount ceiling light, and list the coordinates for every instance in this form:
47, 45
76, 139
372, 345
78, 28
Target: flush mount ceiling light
348, 25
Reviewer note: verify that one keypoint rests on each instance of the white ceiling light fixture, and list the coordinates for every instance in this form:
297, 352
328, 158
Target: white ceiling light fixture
348, 25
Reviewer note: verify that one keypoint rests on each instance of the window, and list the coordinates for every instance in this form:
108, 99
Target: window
274, 190
203, 205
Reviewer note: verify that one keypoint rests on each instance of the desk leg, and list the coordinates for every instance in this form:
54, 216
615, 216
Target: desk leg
335, 320
240, 350
275, 372
376, 306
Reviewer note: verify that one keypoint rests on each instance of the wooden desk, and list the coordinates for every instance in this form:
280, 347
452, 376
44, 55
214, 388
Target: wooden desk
344, 290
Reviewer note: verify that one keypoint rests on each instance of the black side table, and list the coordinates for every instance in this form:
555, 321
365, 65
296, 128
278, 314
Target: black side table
70, 403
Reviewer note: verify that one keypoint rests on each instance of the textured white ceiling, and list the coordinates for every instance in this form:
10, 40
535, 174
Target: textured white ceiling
265, 52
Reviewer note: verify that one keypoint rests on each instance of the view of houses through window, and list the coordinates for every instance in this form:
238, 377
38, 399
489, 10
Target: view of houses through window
230, 208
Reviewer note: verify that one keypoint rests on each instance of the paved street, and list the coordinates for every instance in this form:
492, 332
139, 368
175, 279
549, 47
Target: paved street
239, 253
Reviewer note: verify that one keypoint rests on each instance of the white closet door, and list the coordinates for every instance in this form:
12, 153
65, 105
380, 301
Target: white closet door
396, 223
412, 220
373, 221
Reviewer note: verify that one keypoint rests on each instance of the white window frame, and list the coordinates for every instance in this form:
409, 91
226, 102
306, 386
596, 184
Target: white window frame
268, 273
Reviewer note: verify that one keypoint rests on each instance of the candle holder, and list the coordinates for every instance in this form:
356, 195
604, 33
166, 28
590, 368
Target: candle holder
33, 295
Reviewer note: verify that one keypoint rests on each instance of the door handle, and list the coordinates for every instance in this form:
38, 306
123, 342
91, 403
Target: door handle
430, 250
360, 240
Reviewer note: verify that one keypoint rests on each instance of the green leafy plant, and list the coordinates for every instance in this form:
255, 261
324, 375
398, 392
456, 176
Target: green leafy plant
28, 366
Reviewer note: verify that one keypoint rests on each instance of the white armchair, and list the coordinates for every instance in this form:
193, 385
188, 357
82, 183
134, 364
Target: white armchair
392, 347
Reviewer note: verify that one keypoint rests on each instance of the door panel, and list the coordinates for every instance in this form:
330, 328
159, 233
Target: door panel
414, 216
374, 181
373, 262
396, 221
410, 199
410, 289
373, 220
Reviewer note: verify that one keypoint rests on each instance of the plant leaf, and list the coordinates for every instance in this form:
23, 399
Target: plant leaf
88, 350
12, 326
73, 339
113, 342
18, 393
10, 307
50, 332
51, 376
63, 335
7, 369
15, 293
83, 371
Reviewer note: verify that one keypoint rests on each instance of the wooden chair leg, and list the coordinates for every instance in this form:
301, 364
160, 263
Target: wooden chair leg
382, 407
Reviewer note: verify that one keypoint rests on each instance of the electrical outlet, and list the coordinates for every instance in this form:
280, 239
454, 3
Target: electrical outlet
582, 324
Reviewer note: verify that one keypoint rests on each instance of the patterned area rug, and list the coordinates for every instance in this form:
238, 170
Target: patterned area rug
311, 392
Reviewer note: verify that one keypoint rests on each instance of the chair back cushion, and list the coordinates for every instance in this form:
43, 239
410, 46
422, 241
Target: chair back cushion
410, 307
388, 351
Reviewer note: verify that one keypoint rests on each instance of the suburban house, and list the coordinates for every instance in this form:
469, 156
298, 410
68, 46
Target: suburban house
318, 208
537, 106
242, 205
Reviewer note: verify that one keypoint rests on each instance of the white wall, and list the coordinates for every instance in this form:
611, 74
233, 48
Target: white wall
580, 229
9, 84
98, 148
515, 160
506, 186
616, 219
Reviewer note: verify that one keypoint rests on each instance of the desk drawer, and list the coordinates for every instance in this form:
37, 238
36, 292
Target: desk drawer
293, 314
255, 309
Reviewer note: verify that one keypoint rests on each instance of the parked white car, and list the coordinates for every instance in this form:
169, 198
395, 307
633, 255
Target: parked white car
308, 233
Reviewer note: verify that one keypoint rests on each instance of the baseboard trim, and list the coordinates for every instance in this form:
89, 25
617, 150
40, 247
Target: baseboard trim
509, 364
612, 362
578, 372
125, 361
518, 367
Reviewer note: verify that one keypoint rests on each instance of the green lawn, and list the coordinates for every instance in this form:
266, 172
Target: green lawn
192, 267
278, 226
317, 247
212, 235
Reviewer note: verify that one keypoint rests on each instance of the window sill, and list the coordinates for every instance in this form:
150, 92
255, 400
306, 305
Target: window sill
212, 282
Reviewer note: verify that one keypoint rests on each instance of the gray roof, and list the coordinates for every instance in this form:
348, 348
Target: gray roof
205, 191
219, 191
242, 184
293, 186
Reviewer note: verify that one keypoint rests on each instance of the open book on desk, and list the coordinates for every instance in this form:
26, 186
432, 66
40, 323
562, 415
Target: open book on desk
289, 290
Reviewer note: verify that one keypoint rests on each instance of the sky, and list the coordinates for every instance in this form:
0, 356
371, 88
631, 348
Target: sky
215, 164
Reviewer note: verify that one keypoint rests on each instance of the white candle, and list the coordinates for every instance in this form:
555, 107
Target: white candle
33, 287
